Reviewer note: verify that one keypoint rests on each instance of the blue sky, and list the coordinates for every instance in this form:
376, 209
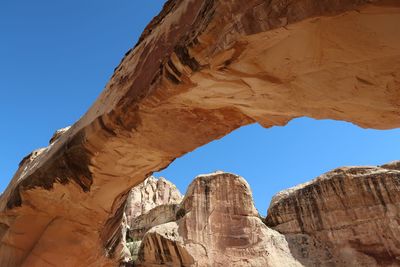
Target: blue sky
56, 57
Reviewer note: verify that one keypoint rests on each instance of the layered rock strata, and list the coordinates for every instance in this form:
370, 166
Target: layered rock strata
216, 225
150, 200
150, 194
161, 214
352, 213
201, 69
347, 217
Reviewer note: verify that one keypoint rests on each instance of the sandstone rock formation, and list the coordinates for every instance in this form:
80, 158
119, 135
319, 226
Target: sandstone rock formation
58, 134
201, 69
347, 217
216, 225
151, 199
394, 165
161, 214
150, 194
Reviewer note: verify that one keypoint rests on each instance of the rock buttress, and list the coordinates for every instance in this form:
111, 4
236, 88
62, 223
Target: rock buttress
217, 225
354, 212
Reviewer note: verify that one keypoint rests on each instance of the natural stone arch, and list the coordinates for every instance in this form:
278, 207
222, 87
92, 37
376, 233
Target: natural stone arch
201, 69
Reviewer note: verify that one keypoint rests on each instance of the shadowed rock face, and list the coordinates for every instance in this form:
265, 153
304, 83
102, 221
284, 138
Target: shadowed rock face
201, 69
353, 212
217, 225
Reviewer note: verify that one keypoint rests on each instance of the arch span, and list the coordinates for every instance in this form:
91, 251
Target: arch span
201, 69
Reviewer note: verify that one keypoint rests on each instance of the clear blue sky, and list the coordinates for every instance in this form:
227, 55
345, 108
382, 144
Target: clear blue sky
56, 57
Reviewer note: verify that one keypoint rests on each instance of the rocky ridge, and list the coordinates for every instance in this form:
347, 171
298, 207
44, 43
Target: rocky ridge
347, 217
353, 211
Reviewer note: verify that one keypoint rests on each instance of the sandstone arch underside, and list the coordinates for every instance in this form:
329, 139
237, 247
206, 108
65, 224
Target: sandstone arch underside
201, 69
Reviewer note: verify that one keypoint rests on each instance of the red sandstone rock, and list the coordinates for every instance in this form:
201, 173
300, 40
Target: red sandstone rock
353, 213
347, 217
217, 225
201, 69
150, 200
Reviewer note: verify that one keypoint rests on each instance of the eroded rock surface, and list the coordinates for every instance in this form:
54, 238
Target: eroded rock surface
161, 214
217, 225
151, 199
348, 217
150, 194
201, 69
58, 134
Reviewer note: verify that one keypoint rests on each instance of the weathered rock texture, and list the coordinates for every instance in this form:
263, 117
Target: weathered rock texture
201, 69
216, 225
348, 217
150, 194
159, 215
150, 199
58, 134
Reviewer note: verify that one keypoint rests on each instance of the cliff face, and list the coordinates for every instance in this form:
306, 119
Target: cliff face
347, 217
201, 69
353, 212
216, 225
150, 194
148, 204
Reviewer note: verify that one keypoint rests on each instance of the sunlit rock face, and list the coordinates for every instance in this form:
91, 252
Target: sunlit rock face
150, 194
150, 199
58, 134
353, 213
201, 69
347, 217
216, 225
